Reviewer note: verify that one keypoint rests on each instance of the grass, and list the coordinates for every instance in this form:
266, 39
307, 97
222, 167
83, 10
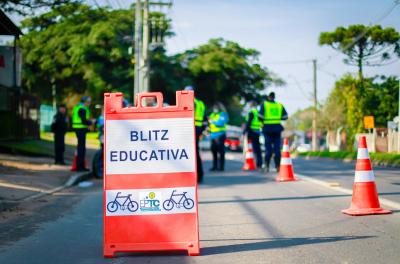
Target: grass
392, 159
44, 145
92, 138
29, 147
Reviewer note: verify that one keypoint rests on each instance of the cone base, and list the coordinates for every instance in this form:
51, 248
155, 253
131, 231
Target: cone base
365, 211
247, 168
285, 174
249, 165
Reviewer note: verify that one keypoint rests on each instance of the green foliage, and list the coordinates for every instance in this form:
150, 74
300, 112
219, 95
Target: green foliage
364, 45
300, 120
391, 159
24, 7
81, 49
350, 101
382, 100
224, 71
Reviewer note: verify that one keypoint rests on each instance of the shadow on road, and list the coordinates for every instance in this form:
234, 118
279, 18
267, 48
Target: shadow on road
274, 243
276, 199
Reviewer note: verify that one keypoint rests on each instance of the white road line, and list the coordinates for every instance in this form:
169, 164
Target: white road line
383, 201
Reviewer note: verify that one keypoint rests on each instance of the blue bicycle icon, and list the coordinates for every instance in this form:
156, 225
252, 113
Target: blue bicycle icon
128, 203
171, 202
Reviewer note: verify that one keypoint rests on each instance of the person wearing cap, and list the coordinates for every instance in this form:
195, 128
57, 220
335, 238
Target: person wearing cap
80, 123
59, 127
272, 113
218, 120
200, 123
252, 129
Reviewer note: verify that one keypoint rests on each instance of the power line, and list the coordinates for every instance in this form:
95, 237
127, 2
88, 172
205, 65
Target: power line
288, 62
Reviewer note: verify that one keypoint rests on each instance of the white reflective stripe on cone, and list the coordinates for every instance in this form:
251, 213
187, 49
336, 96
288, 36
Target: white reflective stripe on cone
249, 154
362, 153
364, 176
286, 161
250, 146
285, 148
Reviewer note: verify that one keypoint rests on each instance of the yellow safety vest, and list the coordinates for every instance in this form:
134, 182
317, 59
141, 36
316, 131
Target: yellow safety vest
199, 110
214, 128
255, 123
272, 112
76, 119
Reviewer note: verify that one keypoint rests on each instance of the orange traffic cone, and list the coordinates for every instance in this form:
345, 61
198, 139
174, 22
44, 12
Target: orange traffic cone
365, 199
249, 163
286, 168
74, 166
74, 162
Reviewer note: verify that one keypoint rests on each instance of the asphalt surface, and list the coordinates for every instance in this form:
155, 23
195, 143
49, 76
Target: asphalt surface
245, 217
335, 171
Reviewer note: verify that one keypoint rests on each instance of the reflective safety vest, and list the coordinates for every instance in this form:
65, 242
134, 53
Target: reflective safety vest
214, 128
255, 122
272, 112
76, 119
199, 110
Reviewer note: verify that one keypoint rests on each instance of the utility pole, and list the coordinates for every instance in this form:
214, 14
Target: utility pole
142, 43
314, 121
144, 62
398, 123
137, 43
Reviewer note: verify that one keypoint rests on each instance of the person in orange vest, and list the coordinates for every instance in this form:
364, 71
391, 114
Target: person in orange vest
252, 129
272, 113
200, 123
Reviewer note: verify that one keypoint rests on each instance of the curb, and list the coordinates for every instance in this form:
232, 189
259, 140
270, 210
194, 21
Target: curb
74, 179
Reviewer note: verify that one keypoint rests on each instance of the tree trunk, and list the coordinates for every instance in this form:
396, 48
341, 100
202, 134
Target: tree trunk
360, 62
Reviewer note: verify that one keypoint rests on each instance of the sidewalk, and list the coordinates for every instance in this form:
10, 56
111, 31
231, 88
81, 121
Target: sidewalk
26, 177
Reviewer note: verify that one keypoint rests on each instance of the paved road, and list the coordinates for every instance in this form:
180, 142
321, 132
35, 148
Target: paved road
387, 179
244, 218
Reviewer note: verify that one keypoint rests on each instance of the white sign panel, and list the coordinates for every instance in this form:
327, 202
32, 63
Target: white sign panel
150, 146
150, 201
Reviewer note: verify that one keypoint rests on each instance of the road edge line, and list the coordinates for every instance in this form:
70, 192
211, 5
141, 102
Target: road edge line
383, 201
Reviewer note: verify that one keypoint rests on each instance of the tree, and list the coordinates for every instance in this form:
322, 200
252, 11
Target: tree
364, 45
22, 7
80, 49
223, 69
382, 99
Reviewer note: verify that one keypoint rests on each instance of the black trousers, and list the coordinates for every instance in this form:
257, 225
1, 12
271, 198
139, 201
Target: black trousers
59, 146
218, 149
272, 145
255, 141
81, 148
200, 172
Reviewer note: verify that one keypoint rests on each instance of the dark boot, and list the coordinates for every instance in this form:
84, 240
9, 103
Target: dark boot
277, 161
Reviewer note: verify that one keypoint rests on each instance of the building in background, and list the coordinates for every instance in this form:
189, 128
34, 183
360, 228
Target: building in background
19, 111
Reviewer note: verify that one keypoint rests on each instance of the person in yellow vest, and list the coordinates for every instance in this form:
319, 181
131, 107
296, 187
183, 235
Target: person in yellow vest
272, 113
252, 129
217, 124
200, 123
80, 123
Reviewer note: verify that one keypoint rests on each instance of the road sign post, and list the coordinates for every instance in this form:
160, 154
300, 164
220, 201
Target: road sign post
150, 180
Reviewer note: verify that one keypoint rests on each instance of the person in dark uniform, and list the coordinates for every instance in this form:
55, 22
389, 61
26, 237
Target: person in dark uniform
80, 123
59, 127
252, 129
272, 113
200, 123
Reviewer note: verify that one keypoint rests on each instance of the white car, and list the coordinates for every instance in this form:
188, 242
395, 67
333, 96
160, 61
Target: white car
303, 148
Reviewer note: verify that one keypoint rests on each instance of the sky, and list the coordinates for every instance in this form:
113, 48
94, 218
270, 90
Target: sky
283, 31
